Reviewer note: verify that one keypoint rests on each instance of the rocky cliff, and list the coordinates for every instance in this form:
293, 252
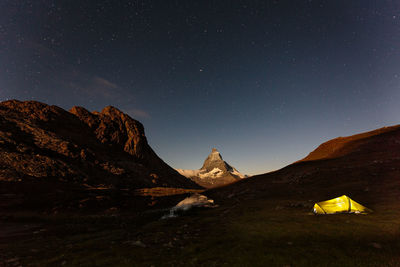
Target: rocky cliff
107, 149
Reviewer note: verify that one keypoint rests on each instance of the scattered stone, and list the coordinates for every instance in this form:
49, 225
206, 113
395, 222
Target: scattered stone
138, 243
168, 245
376, 245
12, 260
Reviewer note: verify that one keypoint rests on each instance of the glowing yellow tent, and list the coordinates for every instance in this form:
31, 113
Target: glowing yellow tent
342, 204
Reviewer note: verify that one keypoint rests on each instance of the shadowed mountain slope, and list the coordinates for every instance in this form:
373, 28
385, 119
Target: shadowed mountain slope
342, 146
48, 147
365, 167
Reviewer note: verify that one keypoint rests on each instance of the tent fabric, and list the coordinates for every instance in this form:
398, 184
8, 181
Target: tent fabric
342, 204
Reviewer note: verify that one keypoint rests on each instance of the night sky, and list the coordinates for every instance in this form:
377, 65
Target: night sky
265, 82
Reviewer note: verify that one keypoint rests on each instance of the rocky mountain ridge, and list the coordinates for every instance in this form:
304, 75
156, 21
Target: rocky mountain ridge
107, 148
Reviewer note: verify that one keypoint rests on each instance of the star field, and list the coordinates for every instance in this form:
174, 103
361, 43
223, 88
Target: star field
263, 81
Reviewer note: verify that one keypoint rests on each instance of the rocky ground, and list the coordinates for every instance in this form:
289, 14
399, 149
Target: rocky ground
274, 232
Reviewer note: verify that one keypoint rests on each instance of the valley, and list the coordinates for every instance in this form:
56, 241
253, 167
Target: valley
263, 220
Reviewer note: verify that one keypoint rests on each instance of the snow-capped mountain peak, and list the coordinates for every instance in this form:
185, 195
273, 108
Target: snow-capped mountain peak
214, 172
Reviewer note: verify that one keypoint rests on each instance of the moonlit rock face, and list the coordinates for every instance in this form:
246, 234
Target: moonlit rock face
214, 172
215, 155
106, 149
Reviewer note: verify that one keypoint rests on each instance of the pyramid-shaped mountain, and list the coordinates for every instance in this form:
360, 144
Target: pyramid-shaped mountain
214, 172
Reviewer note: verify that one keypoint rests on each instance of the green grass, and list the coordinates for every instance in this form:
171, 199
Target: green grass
251, 234
265, 237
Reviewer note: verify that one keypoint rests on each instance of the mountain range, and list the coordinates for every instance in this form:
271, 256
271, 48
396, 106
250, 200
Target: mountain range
80, 187
48, 154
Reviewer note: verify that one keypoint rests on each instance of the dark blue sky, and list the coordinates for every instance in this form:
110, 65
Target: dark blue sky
263, 81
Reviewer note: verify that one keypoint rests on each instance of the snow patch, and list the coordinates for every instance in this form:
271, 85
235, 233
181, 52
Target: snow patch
214, 173
235, 172
195, 200
188, 173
